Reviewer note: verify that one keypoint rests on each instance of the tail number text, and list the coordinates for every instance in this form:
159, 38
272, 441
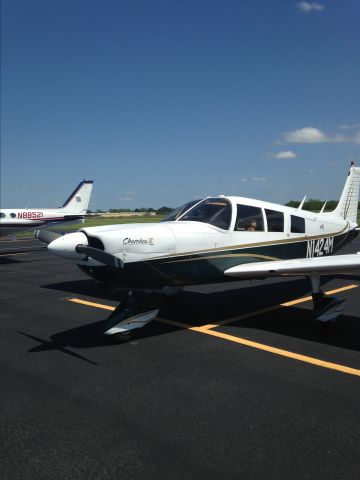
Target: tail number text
322, 246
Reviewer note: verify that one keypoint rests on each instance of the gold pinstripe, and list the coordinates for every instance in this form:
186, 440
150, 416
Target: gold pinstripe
257, 244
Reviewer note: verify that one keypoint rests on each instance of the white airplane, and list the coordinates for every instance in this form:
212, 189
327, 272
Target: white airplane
73, 211
212, 240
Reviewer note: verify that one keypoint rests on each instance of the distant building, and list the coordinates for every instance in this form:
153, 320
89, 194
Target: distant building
127, 214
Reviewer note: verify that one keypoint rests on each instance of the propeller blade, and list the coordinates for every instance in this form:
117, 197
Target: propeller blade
100, 256
46, 236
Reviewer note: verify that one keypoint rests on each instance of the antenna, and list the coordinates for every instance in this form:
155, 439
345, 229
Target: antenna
302, 203
323, 207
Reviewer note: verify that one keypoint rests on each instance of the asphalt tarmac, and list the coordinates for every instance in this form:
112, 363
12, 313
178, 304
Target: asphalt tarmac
231, 381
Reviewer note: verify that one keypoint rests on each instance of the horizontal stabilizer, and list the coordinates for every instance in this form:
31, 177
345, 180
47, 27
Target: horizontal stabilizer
331, 265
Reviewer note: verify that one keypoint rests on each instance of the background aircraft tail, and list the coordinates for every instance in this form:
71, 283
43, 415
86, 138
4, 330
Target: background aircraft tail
78, 201
347, 207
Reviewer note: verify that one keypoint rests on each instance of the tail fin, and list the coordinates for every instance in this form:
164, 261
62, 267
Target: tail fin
347, 207
78, 201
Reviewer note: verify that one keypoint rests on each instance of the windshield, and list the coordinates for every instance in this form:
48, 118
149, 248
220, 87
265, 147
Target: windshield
215, 211
175, 214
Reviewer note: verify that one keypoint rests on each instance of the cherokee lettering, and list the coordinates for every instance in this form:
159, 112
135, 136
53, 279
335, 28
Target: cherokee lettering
138, 241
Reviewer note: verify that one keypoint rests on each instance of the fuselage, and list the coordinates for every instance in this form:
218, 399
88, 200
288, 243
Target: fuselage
198, 245
73, 211
13, 221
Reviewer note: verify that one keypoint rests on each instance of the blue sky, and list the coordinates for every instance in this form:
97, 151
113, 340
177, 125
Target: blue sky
164, 101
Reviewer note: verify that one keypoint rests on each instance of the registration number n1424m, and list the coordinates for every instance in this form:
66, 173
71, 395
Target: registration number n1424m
319, 247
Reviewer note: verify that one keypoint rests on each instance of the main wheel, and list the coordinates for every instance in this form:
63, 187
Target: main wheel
122, 337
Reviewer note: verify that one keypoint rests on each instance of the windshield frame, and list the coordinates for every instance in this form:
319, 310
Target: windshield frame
180, 211
214, 199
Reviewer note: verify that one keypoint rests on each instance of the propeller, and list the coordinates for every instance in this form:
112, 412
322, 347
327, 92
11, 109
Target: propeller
46, 236
100, 256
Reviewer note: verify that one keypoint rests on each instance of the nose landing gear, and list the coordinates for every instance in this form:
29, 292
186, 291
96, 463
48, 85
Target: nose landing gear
134, 311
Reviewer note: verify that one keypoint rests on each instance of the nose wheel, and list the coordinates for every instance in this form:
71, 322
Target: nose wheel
133, 312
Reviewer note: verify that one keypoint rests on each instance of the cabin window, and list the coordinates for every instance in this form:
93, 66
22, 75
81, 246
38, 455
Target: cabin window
275, 220
2, 215
215, 211
13, 215
297, 224
249, 218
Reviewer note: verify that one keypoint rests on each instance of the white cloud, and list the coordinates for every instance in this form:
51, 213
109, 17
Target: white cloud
127, 197
258, 179
285, 155
313, 135
356, 138
350, 127
253, 179
306, 135
309, 7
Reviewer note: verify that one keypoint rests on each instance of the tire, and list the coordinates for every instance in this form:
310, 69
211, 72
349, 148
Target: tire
122, 337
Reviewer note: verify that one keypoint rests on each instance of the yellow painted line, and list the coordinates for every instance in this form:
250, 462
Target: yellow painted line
329, 292
91, 304
208, 330
284, 353
238, 318
271, 309
267, 348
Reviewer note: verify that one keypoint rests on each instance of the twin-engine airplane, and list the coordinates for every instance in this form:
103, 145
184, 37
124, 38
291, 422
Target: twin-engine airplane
215, 239
73, 211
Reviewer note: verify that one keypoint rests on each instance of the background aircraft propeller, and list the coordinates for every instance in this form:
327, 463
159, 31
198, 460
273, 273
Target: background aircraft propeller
46, 236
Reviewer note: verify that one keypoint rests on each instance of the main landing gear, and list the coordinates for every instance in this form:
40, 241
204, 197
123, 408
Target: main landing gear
326, 308
134, 311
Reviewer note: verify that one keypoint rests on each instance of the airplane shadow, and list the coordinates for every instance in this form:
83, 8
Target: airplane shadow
294, 321
5, 260
86, 287
90, 336
199, 308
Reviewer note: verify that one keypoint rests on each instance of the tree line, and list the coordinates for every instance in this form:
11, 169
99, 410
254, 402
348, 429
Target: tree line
315, 205
160, 211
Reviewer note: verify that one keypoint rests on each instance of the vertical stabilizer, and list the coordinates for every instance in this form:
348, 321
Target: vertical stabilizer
348, 204
78, 201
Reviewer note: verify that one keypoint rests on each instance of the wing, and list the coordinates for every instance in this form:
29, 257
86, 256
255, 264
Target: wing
300, 266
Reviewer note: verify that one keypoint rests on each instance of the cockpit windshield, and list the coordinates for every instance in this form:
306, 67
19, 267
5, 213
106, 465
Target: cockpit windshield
175, 214
215, 211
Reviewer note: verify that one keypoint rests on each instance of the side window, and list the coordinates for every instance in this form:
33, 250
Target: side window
13, 215
275, 220
297, 224
249, 218
2, 215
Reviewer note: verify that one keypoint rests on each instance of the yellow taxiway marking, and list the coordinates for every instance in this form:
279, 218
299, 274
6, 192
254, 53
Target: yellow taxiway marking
208, 330
283, 353
91, 304
271, 309
329, 292
12, 254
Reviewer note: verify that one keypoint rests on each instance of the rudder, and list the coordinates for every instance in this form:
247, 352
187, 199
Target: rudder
347, 207
78, 201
